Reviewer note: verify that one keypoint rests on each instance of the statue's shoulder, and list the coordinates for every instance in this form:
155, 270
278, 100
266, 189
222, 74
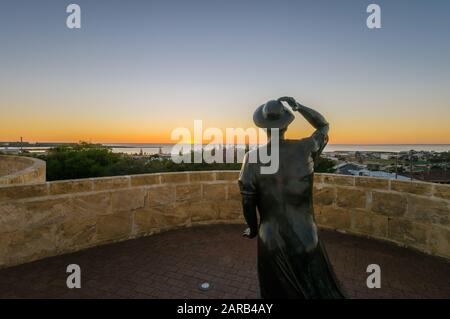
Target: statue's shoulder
300, 142
305, 145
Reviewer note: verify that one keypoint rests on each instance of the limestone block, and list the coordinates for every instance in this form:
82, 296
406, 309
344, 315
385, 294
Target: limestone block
407, 232
42, 170
324, 195
388, 204
66, 187
369, 223
201, 176
227, 175
230, 209
128, 199
115, 182
16, 179
203, 211
214, 192
114, 226
331, 217
442, 191
233, 191
418, 188
156, 218
32, 243
161, 195
342, 180
318, 178
168, 178
22, 191
145, 179
78, 230
373, 183
43, 212
94, 204
12, 217
351, 198
188, 192
5, 242
439, 242
428, 210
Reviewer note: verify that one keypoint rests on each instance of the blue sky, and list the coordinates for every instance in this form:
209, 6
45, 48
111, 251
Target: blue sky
137, 69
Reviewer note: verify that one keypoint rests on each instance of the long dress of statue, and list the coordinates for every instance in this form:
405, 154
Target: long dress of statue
292, 262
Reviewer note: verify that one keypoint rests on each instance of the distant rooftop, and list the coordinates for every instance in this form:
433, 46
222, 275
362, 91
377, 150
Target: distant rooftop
380, 174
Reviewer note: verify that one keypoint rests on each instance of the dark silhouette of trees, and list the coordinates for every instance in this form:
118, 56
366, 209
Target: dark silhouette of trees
84, 160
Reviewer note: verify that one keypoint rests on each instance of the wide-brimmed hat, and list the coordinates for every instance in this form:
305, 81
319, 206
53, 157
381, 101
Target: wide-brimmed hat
273, 114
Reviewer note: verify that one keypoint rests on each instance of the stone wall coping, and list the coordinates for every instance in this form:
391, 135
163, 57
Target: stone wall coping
432, 190
35, 168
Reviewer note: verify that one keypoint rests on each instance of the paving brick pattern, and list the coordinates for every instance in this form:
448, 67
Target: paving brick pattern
173, 264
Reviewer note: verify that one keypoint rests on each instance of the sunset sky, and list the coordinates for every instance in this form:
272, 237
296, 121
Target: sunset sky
138, 69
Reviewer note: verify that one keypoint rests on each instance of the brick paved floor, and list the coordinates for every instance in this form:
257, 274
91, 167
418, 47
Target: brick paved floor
173, 264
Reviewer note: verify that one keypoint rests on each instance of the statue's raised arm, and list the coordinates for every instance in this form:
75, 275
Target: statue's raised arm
320, 136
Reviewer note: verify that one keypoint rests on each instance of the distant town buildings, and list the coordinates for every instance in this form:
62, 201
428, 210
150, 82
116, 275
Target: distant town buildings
427, 166
417, 165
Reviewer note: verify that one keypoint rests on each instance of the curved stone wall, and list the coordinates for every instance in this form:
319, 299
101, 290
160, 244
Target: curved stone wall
21, 170
52, 218
410, 214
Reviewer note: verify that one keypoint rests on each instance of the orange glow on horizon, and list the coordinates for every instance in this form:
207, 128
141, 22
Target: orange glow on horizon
164, 137
343, 130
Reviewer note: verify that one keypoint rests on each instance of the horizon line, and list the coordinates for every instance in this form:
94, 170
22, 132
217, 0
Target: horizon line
174, 143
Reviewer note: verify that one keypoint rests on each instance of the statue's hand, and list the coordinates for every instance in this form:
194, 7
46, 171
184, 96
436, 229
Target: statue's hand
248, 233
291, 101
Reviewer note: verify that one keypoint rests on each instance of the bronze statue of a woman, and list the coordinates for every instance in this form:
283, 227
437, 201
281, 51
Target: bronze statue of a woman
292, 262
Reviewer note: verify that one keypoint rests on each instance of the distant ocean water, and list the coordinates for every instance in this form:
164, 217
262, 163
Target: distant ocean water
151, 148
166, 148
